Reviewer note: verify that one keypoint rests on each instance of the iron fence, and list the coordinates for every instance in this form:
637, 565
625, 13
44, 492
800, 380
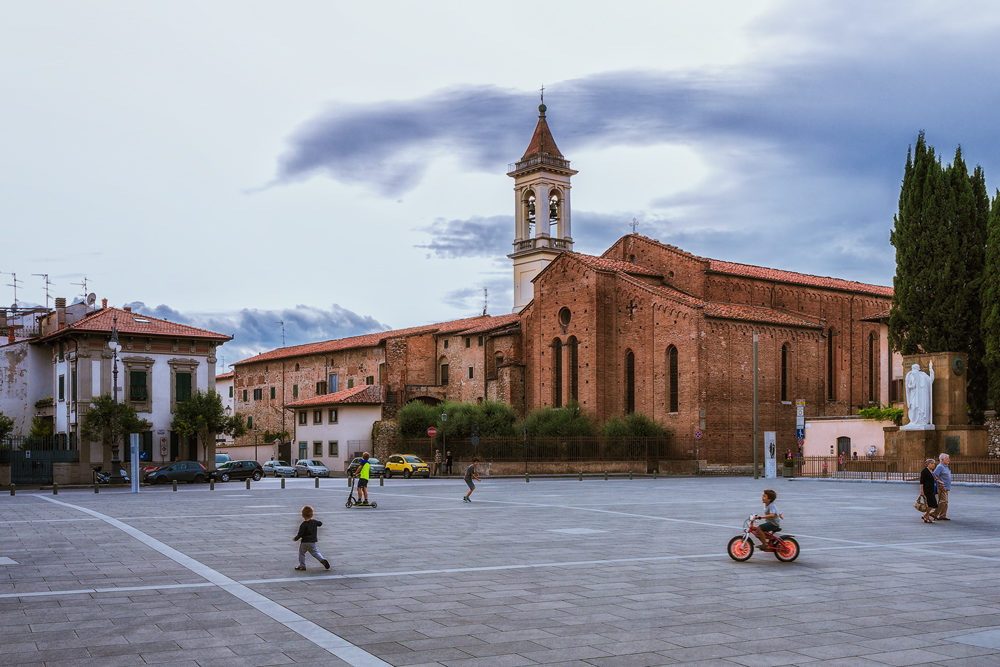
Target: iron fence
49, 443
896, 468
549, 450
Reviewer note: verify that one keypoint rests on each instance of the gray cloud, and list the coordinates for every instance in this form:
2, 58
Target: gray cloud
257, 331
475, 237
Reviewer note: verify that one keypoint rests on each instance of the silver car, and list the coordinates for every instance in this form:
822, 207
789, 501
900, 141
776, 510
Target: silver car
278, 469
311, 468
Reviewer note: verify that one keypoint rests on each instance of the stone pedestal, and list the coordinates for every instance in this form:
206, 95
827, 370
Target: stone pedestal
948, 396
911, 444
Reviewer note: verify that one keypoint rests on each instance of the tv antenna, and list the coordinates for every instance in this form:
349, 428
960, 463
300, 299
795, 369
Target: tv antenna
282, 332
13, 283
84, 286
486, 300
47, 283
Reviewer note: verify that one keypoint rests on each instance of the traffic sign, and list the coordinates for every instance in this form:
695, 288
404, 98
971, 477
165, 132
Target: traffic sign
432, 431
800, 433
801, 441
697, 435
475, 440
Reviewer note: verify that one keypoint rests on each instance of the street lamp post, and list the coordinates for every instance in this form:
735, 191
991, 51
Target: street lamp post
114, 345
444, 436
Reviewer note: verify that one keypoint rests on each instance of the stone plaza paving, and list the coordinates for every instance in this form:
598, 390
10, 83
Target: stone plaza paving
552, 572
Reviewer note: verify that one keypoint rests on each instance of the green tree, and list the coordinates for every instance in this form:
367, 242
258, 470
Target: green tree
940, 240
202, 415
991, 302
6, 425
632, 425
41, 428
415, 418
567, 422
99, 421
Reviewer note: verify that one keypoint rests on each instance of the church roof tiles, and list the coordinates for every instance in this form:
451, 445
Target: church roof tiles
750, 271
615, 265
730, 311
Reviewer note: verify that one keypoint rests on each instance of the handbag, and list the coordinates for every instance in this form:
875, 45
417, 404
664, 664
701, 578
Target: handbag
921, 504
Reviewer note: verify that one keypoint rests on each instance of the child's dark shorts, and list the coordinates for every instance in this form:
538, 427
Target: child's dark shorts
769, 527
362, 482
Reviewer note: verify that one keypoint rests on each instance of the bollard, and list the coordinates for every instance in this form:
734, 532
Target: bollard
12, 487
211, 484
581, 475
97, 489
175, 485
55, 488
526, 480
605, 475
630, 475
381, 480
317, 482
282, 482
248, 485
654, 473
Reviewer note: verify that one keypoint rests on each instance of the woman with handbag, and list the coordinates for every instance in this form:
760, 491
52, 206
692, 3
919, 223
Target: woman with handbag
927, 490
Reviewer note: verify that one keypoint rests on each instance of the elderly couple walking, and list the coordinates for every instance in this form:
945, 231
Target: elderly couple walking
935, 484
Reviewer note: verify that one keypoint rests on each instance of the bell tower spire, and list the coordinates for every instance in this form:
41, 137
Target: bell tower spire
542, 208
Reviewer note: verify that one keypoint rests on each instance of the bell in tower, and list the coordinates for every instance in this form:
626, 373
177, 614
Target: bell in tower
541, 175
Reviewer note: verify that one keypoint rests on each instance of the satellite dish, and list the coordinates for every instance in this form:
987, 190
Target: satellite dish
91, 299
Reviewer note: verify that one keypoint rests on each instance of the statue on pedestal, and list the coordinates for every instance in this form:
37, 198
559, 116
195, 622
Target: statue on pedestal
919, 401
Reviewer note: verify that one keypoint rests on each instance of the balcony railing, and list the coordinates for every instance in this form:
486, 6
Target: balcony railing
538, 160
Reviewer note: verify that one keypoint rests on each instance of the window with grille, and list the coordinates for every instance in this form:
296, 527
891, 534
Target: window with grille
137, 386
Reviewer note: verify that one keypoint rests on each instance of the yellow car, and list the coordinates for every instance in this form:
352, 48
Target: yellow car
406, 464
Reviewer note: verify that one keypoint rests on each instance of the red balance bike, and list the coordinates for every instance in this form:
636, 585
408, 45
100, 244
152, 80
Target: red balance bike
785, 548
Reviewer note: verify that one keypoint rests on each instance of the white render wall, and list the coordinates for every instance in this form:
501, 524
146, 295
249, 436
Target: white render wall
25, 373
354, 422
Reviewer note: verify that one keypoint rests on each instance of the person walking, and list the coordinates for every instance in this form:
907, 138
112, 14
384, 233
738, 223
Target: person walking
437, 462
927, 489
309, 535
447, 464
470, 474
943, 475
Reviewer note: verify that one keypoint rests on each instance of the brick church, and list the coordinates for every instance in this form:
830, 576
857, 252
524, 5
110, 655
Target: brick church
645, 327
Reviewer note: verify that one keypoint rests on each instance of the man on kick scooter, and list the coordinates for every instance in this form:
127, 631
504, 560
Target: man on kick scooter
771, 516
363, 473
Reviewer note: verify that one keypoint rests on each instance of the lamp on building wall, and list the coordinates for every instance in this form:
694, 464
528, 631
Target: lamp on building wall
114, 346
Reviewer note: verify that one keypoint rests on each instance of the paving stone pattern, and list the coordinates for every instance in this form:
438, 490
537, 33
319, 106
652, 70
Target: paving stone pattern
508, 580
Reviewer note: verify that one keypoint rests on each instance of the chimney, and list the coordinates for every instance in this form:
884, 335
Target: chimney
10, 334
60, 312
104, 303
127, 309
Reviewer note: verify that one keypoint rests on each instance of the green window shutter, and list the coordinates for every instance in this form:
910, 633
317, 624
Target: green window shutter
183, 386
295, 391
137, 385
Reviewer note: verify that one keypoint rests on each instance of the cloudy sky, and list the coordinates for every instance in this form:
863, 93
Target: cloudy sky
340, 167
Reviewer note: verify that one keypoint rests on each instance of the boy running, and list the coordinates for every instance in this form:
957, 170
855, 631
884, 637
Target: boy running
363, 472
309, 534
470, 474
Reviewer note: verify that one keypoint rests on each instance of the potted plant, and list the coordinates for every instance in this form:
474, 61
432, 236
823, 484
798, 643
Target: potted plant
788, 468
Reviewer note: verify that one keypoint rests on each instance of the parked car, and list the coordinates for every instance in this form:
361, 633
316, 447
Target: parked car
222, 458
278, 469
377, 468
238, 470
406, 465
311, 468
182, 471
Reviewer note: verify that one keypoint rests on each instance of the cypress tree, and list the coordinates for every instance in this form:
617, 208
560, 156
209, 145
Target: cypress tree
940, 241
990, 295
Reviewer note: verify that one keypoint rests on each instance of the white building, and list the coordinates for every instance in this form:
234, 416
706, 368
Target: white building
337, 427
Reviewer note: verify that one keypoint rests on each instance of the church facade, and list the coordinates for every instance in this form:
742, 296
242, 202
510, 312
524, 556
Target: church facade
645, 327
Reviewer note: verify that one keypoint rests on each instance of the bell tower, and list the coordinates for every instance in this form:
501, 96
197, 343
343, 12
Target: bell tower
542, 210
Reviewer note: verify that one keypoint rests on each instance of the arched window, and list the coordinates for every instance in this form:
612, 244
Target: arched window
629, 382
557, 373
673, 396
574, 369
443, 365
784, 372
831, 367
497, 360
872, 343
529, 213
554, 205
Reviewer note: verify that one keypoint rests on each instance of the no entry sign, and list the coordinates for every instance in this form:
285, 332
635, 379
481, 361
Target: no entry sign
432, 431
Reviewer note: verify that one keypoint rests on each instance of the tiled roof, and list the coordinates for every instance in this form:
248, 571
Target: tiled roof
878, 317
225, 376
728, 311
366, 394
541, 140
761, 272
134, 324
366, 340
616, 265
497, 322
